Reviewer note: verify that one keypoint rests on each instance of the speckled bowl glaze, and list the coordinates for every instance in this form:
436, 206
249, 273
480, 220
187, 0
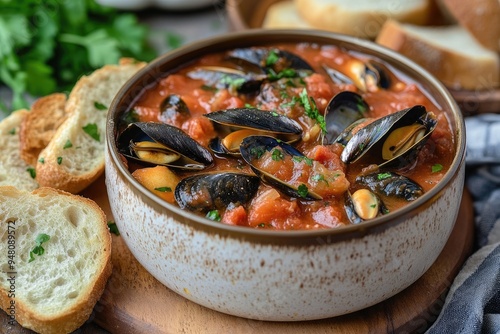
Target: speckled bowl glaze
272, 275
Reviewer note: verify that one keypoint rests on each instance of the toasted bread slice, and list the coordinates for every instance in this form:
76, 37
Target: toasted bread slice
56, 291
451, 53
284, 14
39, 126
361, 18
480, 18
74, 158
14, 171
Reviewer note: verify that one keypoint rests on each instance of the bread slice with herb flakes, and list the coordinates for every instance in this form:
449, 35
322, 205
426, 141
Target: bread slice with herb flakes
14, 171
59, 259
74, 158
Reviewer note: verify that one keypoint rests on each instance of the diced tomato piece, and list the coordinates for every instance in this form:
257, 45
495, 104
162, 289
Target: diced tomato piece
224, 100
235, 216
328, 156
270, 208
200, 129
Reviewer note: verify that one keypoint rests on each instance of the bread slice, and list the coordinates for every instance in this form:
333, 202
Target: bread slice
449, 52
39, 126
361, 18
14, 171
480, 17
57, 290
284, 14
74, 158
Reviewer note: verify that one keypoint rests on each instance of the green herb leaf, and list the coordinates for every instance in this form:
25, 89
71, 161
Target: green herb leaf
304, 159
67, 144
32, 172
41, 160
164, 189
272, 58
12, 131
113, 228
311, 110
38, 249
319, 177
437, 168
59, 160
213, 215
277, 155
383, 176
302, 190
100, 106
92, 131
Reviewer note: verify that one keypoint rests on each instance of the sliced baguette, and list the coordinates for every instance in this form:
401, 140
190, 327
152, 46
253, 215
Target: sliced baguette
73, 159
480, 17
449, 52
39, 126
13, 169
284, 14
56, 292
361, 18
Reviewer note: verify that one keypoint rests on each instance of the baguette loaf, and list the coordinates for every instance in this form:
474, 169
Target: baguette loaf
284, 14
14, 171
361, 18
56, 291
74, 158
39, 126
449, 52
480, 17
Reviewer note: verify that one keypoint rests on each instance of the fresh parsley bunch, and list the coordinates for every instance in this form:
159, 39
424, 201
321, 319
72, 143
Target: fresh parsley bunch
46, 45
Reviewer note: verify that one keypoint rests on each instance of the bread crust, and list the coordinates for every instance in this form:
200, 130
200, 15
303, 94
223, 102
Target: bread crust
38, 127
365, 23
480, 17
73, 317
73, 169
455, 70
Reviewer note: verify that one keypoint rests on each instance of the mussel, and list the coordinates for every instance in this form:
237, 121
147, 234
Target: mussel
344, 111
172, 109
153, 143
254, 147
391, 184
243, 122
367, 76
363, 205
214, 191
224, 77
393, 140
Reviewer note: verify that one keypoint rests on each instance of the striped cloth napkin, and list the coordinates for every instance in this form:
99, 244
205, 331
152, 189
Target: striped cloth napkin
473, 302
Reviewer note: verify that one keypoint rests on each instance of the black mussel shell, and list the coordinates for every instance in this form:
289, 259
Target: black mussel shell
391, 184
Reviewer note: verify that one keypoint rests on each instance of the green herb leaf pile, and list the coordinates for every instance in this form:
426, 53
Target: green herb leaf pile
46, 45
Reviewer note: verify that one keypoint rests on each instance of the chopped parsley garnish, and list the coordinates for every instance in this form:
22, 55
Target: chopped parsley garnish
272, 58
213, 215
311, 110
274, 113
92, 131
277, 155
209, 88
12, 131
68, 144
249, 106
100, 106
302, 190
383, 176
319, 177
164, 189
59, 160
32, 172
235, 83
113, 228
41, 160
38, 249
437, 168
291, 103
257, 152
304, 159
286, 73
131, 116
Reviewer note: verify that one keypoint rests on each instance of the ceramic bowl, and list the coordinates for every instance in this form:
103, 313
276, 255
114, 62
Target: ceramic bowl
276, 275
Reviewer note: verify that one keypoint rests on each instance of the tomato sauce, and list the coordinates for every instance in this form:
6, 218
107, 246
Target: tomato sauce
321, 171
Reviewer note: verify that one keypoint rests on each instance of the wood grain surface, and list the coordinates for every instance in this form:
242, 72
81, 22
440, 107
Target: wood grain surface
135, 302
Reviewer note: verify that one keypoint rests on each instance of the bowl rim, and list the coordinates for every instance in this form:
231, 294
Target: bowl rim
362, 46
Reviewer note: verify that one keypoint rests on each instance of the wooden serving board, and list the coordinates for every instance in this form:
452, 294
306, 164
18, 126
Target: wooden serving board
135, 302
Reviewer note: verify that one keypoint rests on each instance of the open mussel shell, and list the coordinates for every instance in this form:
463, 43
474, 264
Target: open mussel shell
244, 122
417, 125
269, 59
344, 109
153, 143
215, 191
367, 76
363, 205
220, 77
391, 184
252, 148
